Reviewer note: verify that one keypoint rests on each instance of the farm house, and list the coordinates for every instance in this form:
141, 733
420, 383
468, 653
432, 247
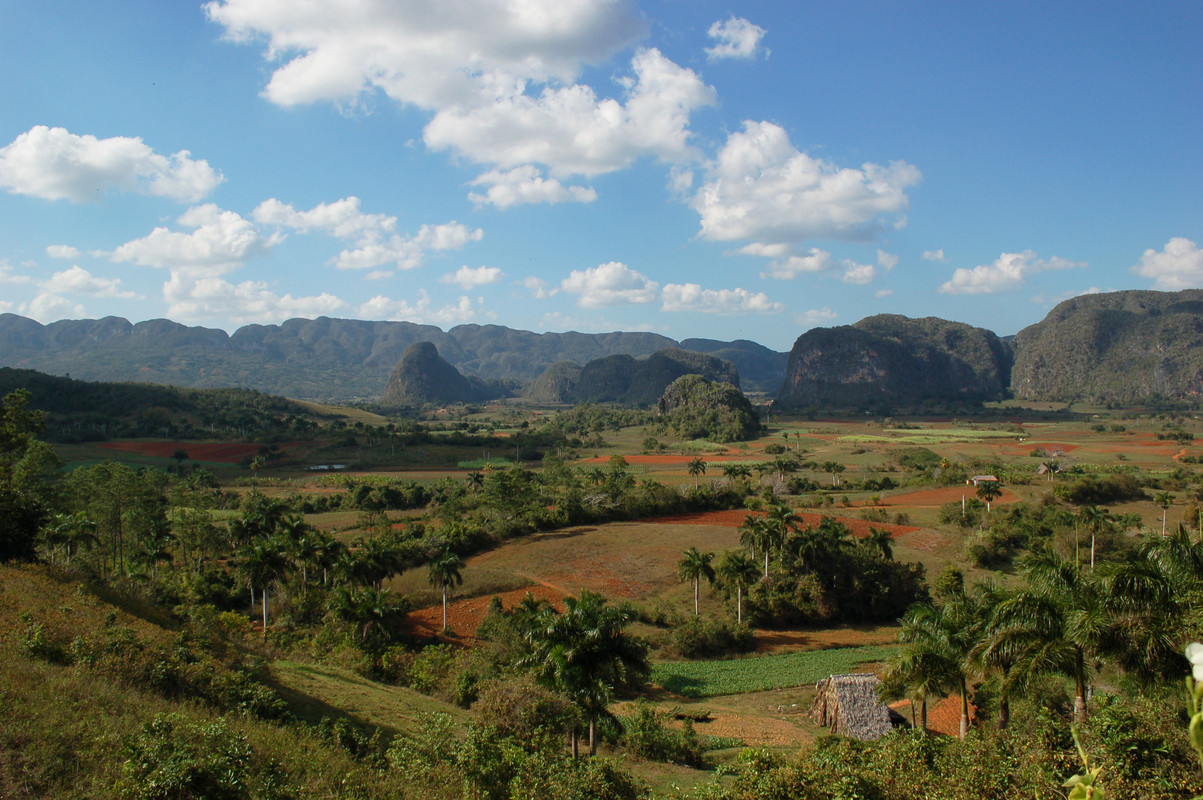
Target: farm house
848, 704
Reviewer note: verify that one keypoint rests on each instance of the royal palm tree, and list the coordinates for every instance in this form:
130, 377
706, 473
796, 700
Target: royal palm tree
262, 562
1095, 520
882, 541
372, 611
697, 467
988, 492
739, 472
940, 639
695, 566
444, 573
755, 535
585, 653
1163, 500
736, 569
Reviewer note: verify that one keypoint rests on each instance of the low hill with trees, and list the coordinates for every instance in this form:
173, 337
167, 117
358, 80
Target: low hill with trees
626, 380
896, 362
1119, 347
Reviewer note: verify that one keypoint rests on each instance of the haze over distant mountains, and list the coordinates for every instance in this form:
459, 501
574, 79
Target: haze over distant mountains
1122, 347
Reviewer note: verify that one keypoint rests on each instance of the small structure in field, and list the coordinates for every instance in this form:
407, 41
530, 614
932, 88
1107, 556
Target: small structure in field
978, 480
848, 705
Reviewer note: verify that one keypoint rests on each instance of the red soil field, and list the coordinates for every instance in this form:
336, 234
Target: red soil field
464, 616
932, 498
733, 519
222, 452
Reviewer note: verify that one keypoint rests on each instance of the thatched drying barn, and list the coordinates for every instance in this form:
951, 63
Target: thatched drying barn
848, 705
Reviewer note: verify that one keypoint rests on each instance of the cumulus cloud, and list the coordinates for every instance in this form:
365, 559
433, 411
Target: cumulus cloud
692, 297
62, 251
7, 276
612, 284
817, 317
194, 298
421, 311
760, 188
538, 287
467, 278
934, 255
1178, 266
55, 164
526, 184
48, 307
78, 280
571, 130
432, 55
735, 37
373, 236
1009, 271
220, 242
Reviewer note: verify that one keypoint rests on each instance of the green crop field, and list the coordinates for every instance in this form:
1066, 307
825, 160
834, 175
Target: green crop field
763, 673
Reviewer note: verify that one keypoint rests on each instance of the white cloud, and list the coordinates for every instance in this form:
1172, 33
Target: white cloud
815, 262
692, 297
572, 131
373, 235
887, 261
48, 307
526, 184
1008, 272
934, 255
883, 293
77, 280
760, 188
1178, 266
860, 274
221, 242
1050, 301
7, 276
610, 284
432, 55
468, 278
191, 298
421, 311
538, 287
62, 251
55, 164
817, 317
341, 219
735, 37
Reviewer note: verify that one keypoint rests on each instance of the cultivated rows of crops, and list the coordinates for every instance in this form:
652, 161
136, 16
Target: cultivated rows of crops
762, 673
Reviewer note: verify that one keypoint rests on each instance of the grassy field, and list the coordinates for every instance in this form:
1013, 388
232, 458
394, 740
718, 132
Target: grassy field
763, 673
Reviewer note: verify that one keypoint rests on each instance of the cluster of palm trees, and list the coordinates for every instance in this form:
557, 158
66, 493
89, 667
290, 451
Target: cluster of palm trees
1132, 616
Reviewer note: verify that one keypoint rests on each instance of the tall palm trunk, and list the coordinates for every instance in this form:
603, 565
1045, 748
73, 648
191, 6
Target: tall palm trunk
264, 612
964, 709
739, 603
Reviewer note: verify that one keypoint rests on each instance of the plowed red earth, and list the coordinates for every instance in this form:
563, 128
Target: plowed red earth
932, 498
222, 452
858, 527
464, 616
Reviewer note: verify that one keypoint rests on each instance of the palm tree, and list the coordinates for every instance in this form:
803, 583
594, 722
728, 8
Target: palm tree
835, 468
740, 472
1163, 500
735, 568
373, 612
755, 535
988, 491
444, 573
697, 467
941, 638
693, 567
881, 540
585, 653
1095, 519
262, 562
1055, 623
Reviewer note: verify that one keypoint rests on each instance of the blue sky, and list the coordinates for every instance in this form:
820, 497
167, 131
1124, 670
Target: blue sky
692, 168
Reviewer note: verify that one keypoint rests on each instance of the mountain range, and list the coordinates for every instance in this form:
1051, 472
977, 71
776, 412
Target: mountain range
1120, 347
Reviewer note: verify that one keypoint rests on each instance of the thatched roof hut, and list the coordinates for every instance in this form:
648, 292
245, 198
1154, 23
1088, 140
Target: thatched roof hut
848, 705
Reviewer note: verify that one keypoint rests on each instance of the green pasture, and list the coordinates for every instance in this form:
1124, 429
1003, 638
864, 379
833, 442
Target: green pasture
763, 673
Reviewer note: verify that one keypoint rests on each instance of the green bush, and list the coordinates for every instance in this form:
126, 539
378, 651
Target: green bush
645, 735
701, 637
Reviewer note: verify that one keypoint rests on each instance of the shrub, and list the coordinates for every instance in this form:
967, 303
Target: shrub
699, 637
645, 735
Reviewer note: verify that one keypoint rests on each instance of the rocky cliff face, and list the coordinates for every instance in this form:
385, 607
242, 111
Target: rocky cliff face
895, 360
627, 380
1119, 347
422, 376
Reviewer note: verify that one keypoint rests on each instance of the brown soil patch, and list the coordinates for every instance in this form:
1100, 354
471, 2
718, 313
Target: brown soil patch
733, 519
464, 616
224, 452
790, 641
934, 498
